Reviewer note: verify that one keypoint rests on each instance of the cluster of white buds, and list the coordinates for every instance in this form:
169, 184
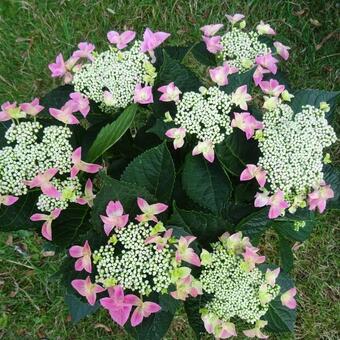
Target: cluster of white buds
30, 155
128, 261
205, 114
241, 48
70, 190
292, 149
237, 290
112, 77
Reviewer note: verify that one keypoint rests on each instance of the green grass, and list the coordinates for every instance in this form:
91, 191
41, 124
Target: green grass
33, 32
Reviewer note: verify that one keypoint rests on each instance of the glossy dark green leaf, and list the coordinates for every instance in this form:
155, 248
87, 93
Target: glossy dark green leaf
206, 184
111, 133
314, 98
79, 309
280, 318
286, 254
153, 170
332, 177
236, 151
202, 55
173, 71
239, 79
17, 216
154, 327
206, 227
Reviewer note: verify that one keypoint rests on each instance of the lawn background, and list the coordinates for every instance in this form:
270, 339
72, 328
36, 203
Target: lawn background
33, 32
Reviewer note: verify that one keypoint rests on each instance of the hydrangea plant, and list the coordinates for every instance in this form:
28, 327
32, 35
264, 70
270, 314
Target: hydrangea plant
230, 152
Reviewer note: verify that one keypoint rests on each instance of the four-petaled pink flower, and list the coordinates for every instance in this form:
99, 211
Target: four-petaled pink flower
224, 330
160, 241
10, 111
317, 199
219, 74
83, 254
288, 300
282, 50
263, 28
272, 87
240, 97
251, 258
234, 18
178, 134
267, 61
247, 123
89, 195
118, 304
65, 114
46, 229
184, 253
256, 331
152, 40
187, 286
87, 289
170, 93
271, 276
58, 68
80, 103
210, 30
149, 210
143, 95
43, 180
121, 40
253, 171
79, 165
261, 199
143, 310
115, 217
277, 204
32, 108
8, 200
258, 74
213, 44
206, 148
85, 51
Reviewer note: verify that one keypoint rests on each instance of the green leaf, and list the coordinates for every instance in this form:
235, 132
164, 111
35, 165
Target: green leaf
332, 177
113, 190
152, 328
206, 227
79, 309
280, 318
192, 307
255, 223
206, 184
238, 79
111, 133
286, 254
314, 98
153, 170
17, 216
175, 52
202, 55
159, 128
173, 71
56, 99
235, 152
72, 223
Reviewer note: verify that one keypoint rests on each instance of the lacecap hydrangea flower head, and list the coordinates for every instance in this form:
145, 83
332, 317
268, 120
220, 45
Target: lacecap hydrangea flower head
141, 258
40, 157
244, 50
290, 169
117, 77
206, 115
238, 292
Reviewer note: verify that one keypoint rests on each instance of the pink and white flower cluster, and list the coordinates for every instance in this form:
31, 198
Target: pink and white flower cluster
237, 288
